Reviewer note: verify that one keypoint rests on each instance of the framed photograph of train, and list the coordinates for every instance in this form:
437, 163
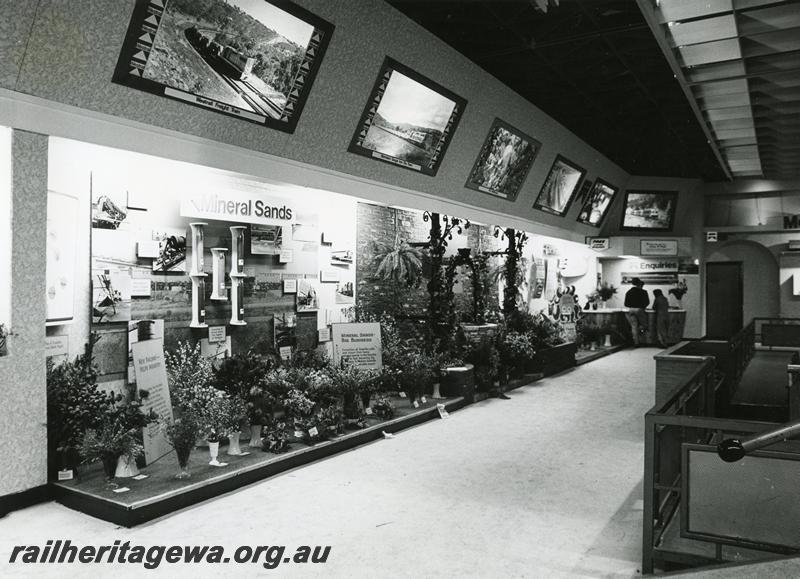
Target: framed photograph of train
251, 59
649, 210
597, 203
560, 186
409, 120
504, 161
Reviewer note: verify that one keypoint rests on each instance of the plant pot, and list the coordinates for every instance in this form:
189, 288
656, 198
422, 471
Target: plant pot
255, 436
213, 452
607, 342
109, 469
126, 466
233, 444
593, 347
183, 462
437, 395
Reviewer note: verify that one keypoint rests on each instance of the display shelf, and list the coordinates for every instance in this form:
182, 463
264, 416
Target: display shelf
161, 493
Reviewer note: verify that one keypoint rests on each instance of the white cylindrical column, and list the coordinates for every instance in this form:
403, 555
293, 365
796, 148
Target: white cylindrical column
198, 301
218, 274
197, 248
237, 249
237, 299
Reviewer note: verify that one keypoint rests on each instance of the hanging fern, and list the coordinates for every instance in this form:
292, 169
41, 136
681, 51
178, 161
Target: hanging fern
399, 262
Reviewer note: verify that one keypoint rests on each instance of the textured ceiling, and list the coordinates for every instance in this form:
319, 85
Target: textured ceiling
740, 60
593, 65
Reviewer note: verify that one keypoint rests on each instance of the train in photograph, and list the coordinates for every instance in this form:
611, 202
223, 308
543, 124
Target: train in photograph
238, 66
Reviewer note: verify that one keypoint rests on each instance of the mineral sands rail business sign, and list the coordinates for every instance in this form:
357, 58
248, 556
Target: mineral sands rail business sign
240, 207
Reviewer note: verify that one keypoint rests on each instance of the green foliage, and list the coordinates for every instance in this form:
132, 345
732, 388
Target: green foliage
516, 348
276, 439
398, 262
383, 408
74, 402
223, 415
111, 440
190, 376
182, 433
605, 292
246, 376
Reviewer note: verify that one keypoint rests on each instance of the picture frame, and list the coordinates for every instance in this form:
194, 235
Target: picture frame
504, 161
649, 210
395, 132
597, 203
244, 73
560, 186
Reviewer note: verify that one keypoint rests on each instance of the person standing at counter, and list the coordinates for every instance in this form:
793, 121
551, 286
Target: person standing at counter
636, 300
661, 308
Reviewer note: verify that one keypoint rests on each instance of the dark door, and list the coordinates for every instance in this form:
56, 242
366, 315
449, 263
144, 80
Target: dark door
723, 299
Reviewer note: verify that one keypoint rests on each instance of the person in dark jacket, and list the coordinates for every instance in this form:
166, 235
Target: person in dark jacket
661, 308
636, 300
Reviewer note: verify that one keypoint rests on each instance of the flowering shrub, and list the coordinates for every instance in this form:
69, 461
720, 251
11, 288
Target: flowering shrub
190, 379
276, 439
297, 404
383, 408
245, 376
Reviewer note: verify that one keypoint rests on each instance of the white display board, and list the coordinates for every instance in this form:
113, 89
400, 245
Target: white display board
359, 344
5, 226
151, 375
62, 220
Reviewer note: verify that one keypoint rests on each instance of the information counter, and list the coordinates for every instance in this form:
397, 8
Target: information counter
613, 321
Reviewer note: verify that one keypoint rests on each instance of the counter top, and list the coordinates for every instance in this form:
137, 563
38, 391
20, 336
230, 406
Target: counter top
624, 310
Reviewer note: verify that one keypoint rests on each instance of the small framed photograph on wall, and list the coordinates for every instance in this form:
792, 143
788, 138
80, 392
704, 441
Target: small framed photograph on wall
504, 161
597, 203
408, 121
560, 186
649, 210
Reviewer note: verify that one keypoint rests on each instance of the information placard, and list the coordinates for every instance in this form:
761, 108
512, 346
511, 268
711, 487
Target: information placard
359, 344
151, 375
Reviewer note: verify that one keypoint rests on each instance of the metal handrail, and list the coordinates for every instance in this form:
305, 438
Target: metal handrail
733, 449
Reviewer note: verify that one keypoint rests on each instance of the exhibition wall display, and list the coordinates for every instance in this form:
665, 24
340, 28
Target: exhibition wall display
251, 59
597, 203
5, 237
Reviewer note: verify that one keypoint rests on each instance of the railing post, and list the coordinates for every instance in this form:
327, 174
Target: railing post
648, 492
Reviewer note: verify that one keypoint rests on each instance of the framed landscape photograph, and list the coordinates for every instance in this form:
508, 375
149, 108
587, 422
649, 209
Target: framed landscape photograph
504, 161
409, 120
560, 186
251, 59
649, 210
597, 203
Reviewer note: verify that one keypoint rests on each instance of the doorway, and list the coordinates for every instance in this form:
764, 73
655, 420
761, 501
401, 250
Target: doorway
724, 299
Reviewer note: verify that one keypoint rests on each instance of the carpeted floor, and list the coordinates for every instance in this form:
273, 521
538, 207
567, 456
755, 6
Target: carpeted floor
547, 484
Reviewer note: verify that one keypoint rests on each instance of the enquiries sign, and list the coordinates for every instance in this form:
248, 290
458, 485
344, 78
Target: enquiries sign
239, 206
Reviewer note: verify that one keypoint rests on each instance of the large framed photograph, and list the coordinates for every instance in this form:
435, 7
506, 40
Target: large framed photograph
560, 186
251, 59
649, 210
504, 161
597, 203
408, 121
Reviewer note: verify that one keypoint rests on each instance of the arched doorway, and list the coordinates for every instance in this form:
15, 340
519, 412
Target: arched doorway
755, 269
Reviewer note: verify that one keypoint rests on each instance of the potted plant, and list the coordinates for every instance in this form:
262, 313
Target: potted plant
353, 383
182, 433
398, 262
223, 415
108, 443
275, 440
74, 405
246, 376
605, 292
383, 408
417, 374
516, 350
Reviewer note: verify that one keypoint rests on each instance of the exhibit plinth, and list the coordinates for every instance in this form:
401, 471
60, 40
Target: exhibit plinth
160, 493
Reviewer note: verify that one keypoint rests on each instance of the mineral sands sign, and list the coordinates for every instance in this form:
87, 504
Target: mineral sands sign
358, 345
239, 206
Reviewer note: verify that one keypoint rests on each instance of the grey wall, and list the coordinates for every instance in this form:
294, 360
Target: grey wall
72, 49
23, 405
